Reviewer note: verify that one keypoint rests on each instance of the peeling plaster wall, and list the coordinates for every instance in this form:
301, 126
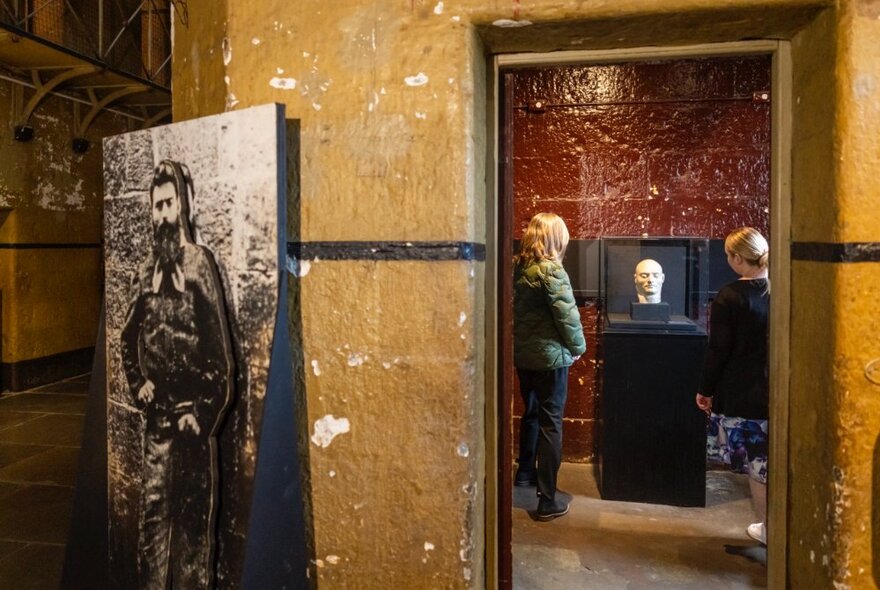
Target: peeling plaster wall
856, 493
394, 423
393, 375
835, 472
389, 101
814, 215
50, 195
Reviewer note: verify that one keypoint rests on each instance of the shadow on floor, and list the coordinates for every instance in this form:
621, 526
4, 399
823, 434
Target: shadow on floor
605, 545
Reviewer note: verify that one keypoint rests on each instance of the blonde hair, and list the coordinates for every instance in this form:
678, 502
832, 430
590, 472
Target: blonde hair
546, 238
751, 247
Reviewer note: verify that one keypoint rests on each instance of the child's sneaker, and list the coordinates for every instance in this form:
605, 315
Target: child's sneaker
758, 532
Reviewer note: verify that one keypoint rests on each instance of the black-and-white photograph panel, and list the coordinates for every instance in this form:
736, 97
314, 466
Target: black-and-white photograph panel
193, 241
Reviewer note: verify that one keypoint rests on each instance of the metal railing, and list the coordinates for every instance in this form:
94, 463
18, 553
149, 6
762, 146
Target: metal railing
133, 36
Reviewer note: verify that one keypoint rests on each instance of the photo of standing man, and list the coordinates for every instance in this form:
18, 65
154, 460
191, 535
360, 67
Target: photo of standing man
178, 360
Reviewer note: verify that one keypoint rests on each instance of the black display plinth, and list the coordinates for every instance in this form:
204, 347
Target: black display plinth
653, 435
657, 312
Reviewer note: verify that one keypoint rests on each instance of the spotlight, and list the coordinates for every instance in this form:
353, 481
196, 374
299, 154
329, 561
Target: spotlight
24, 133
80, 145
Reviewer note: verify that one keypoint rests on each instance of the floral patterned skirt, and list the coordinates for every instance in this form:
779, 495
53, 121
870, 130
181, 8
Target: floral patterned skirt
740, 443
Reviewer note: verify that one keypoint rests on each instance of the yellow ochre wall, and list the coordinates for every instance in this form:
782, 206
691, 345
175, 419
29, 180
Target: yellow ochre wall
50, 196
391, 98
834, 466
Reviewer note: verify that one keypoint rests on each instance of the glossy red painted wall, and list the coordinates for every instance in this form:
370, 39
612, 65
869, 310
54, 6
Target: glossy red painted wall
672, 148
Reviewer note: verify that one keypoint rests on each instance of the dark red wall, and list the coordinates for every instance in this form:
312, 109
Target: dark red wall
673, 148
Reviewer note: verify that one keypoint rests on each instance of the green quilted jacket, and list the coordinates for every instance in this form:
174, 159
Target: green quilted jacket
547, 330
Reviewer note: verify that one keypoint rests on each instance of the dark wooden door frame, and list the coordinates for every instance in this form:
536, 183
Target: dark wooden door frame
499, 287
505, 334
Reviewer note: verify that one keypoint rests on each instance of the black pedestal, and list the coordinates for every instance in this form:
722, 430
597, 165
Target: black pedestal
657, 312
653, 435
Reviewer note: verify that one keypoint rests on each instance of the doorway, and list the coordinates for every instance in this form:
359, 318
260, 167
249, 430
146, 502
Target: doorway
655, 143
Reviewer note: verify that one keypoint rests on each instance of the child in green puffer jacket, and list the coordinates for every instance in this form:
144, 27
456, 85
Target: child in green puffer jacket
547, 339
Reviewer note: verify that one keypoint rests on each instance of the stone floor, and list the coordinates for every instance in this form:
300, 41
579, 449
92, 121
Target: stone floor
599, 545
603, 545
40, 434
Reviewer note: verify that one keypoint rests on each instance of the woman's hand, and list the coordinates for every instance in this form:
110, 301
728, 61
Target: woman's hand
704, 403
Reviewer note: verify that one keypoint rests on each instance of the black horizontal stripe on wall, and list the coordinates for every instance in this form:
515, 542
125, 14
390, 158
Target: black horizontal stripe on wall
48, 246
836, 252
386, 250
22, 375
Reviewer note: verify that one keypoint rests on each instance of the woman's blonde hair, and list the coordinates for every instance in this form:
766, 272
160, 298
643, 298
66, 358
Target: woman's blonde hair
751, 246
546, 238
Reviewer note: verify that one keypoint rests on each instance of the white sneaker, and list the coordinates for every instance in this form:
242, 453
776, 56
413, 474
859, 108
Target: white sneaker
758, 532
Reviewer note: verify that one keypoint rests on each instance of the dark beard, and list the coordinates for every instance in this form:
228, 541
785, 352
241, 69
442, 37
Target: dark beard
167, 249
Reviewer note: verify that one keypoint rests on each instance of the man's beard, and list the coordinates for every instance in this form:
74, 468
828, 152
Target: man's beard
167, 249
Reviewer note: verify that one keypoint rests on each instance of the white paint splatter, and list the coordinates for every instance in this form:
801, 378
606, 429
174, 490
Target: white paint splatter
231, 101
319, 562
462, 318
421, 115
306, 54
356, 359
298, 268
429, 546
419, 79
227, 51
316, 106
864, 85
255, 41
507, 23
316, 369
374, 102
456, 18
283, 83
328, 428
386, 365
439, 8
332, 559
467, 574
279, 71
332, 474
44, 117
463, 450
227, 80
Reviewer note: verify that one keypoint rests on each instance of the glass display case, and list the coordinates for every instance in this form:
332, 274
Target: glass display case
670, 291
653, 436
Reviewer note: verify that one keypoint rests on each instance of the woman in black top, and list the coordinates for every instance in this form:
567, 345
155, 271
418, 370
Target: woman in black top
734, 382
